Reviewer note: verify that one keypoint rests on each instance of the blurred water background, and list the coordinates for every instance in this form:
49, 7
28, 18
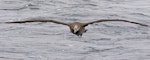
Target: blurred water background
49, 41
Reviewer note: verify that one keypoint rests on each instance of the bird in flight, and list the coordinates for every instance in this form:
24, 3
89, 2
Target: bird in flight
77, 28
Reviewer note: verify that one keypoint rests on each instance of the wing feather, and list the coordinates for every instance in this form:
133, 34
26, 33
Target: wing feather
107, 20
28, 21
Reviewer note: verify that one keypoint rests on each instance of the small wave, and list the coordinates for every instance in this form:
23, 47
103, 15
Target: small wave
139, 14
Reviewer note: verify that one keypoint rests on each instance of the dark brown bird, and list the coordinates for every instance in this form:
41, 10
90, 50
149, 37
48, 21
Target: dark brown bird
77, 28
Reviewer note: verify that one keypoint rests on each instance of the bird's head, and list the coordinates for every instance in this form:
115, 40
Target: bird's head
77, 29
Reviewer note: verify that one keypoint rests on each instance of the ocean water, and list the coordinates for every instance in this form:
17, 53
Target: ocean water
50, 41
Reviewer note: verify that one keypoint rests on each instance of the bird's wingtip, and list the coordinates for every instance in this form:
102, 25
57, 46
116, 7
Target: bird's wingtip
5, 22
145, 25
2, 22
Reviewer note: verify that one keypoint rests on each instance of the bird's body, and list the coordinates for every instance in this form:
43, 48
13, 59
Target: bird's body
77, 28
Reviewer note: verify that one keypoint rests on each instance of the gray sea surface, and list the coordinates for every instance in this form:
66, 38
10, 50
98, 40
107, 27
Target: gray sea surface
50, 41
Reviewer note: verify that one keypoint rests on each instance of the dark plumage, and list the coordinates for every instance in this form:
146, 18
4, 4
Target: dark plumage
77, 28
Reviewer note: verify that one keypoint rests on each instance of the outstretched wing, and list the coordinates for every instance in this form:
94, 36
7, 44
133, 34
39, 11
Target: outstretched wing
106, 20
28, 21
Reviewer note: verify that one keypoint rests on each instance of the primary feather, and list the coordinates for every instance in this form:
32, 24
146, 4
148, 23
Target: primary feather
107, 20
27, 21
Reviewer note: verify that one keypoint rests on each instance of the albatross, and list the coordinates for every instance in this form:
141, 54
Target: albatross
78, 28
